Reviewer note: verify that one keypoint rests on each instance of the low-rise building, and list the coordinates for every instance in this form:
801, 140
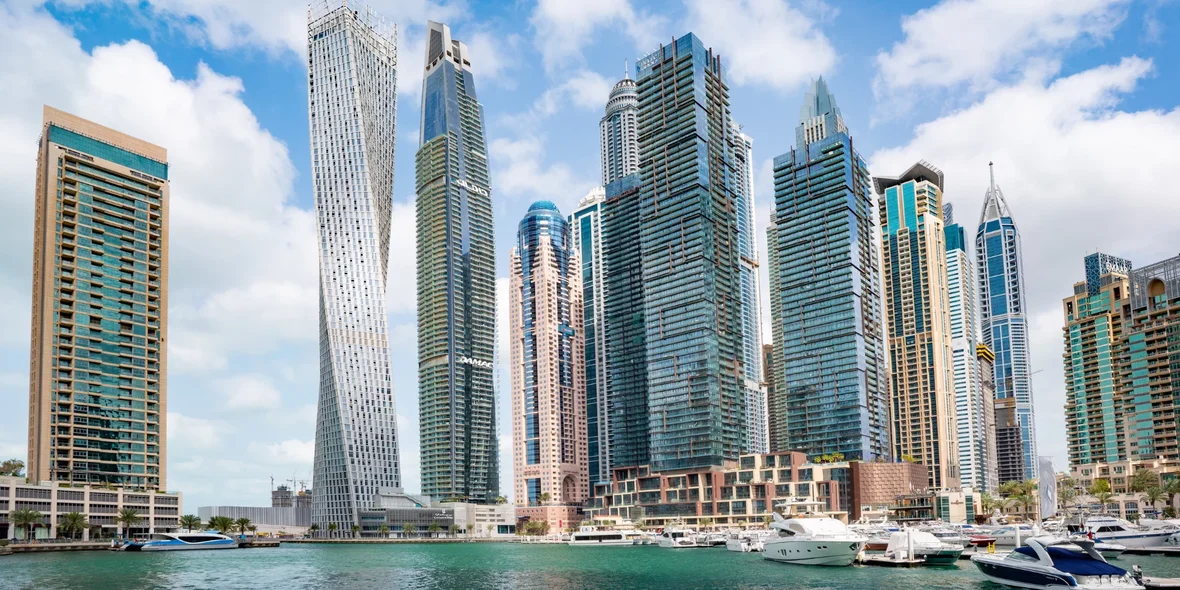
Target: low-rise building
484, 521
877, 485
957, 506
159, 511
272, 520
403, 516
1124, 503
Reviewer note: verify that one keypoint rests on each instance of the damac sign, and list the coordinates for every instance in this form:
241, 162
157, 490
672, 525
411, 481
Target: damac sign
471, 187
466, 360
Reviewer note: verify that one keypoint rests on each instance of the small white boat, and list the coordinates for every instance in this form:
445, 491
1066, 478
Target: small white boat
1050, 563
182, 542
746, 541
589, 535
948, 535
678, 539
812, 541
913, 543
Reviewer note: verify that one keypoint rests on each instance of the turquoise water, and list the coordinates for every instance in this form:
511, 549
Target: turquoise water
475, 566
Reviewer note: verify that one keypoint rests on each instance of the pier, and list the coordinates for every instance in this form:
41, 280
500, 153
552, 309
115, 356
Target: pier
47, 547
1168, 551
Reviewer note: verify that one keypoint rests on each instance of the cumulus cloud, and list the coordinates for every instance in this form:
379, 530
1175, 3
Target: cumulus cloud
767, 42
249, 392
1067, 158
299, 453
521, 171
189, 433
564, 28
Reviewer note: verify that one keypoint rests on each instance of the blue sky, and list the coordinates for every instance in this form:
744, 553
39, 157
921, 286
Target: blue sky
1075, 100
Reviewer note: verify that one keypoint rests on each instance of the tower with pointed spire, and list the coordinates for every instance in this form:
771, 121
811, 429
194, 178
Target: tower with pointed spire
830, 394
619, 130
1004, 324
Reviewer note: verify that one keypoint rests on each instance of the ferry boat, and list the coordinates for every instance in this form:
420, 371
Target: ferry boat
812, 541
187, 541
589, 535
1054, 563
678, 539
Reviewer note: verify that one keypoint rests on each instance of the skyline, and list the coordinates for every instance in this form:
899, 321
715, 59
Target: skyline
235, 382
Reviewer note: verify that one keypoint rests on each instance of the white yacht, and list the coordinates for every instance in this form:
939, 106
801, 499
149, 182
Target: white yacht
948, 535
812, 541
678, 538
589, 535
746, 541
186, 541
921, 544
1107, 529
1013, 535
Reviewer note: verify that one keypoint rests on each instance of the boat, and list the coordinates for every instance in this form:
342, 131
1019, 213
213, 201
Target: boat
1053, 563
678, 539
948, 535
746, 541
812, 541
878, 542
912, 543
982, 540
711, 539
1107, 529
1012, 535
187, 541
1173, 540
589, 535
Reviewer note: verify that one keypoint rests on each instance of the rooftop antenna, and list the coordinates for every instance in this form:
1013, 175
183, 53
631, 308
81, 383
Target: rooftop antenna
272, 483
626, 70
992, 172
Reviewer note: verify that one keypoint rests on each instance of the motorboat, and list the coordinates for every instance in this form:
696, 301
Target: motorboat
711, 539
812, 541
1173, 541
1105, 529
678, 539
186, 541
1051, 563
746, 541
1013, 535
912, 543
878, 542
948, 535
589, 535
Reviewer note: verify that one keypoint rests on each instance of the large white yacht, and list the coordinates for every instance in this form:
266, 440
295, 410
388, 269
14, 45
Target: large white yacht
1107, 529
812, 541
678, 538
589, 535
186, 541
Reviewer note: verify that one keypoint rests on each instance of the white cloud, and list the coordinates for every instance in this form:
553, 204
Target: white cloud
766, 42
974, 41
300, 453
249, 392
187, 433
1068, 161
563, 28
401, 286
521, 172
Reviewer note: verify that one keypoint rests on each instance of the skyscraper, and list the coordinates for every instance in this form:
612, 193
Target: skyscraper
98, 365
971, 410
619, 131
1000, 273
688, 242
352, 92
456, 281
751, 355
586, 226
1151, 326
918, 325
1093, 338
548, 368
825, 293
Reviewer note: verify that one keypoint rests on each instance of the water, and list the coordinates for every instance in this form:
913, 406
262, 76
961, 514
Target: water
476, 566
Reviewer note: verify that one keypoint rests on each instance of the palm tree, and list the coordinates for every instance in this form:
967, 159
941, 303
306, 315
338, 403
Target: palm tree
407, 530
1100, 491
501, 500
454, 529
254, 530
434, 528
544, 498
190, 521
1172, 489
1143, 479
26, 518
1024, 500
1067, 491
640, 523
128, 517
491, 529
383, 530
1154, 495
313, 529
470, 530
73, 523
355, 531
332, 530
706, 522
243, 525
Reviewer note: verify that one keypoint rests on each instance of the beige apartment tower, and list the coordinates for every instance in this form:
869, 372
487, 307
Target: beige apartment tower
917, 327
97, 387
549, 440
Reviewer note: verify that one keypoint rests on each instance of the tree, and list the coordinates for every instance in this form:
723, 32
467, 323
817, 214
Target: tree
128, 517
470, 529
243, 525
434, 528
407, 530
1100, 491
332, 528
909, 458
1067, 491
73, 523
1172, 489
706, 522
1024, 500
454, 529
1143, 479
12, 467
383, 530
639, 524
544, 498
24, 517
190, 521
313, 529
491, 529
501, 500
1154, 495
355, 531
223, 524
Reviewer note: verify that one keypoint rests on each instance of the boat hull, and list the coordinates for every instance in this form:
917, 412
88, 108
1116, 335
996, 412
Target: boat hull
940, 557
1023, 578
812, 552
1146, 540
179, 546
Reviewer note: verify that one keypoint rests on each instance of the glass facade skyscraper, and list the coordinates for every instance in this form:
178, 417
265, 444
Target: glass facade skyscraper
352, 91
918, 324
548, 366
619, 132
98, 363
1000, 273
690, 259
456, 281
586, 226
756, 429
830, 387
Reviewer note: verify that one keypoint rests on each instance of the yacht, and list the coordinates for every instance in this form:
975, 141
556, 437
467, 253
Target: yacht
1107, 529
1013, 535
1054, 563
923, 545
186, 541
948, 535
678, 539
589, 535
746, 541
812, 541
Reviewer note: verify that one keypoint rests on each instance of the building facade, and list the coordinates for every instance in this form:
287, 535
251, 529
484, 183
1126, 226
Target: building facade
549, 443
876, 485
985, 377
971, 410
1151, 327
456, 281
98, 367
1093, 336
918, 329
1000, 272
484, 521
1124, 502
273, 520
619, 131
159, 511
825, 294
352, 60
689, 256
776, 408
586, 226
742, 146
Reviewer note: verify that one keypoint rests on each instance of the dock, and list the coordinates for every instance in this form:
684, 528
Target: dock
256, 543
1160, 583
1168, 551
48, 547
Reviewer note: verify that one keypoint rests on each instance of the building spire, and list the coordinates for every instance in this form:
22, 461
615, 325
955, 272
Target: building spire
991, 170
626, 70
